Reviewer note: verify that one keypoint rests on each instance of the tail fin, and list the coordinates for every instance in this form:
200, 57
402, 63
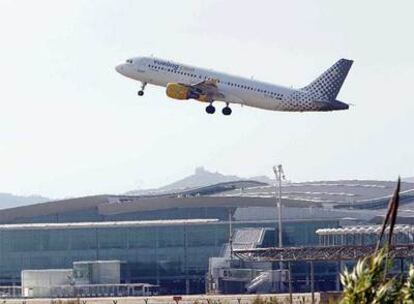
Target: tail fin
330, 82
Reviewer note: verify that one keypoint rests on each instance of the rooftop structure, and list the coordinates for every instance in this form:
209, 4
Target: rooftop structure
366, 229
121, 224
315, 199
340, 194
319, 253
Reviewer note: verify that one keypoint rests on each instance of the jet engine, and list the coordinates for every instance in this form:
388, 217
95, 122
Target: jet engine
182, 92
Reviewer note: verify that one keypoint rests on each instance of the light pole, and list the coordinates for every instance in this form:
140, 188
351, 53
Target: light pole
230, 233
279, 175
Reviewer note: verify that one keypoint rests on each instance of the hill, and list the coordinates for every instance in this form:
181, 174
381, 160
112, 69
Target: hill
408, 179
8, 200
200, 178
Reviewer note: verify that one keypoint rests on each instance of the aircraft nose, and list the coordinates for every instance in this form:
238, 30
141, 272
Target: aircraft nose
120, 68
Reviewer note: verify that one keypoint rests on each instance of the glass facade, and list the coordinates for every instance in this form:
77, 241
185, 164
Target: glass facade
175, 256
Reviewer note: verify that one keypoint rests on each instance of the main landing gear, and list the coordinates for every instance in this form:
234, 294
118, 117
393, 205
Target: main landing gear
210, 109
141, 92
226, 111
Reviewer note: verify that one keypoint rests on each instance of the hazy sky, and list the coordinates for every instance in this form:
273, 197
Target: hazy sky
70, 125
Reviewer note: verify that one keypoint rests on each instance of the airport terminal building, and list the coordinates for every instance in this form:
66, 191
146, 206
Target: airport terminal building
167, 239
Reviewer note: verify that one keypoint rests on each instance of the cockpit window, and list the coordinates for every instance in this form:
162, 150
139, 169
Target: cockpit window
129, 61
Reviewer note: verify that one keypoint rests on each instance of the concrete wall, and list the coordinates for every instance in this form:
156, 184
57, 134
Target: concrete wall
39, 283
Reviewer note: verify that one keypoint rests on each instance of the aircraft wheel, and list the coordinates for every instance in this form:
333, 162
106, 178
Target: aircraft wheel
226, 111
140, 93
210, 109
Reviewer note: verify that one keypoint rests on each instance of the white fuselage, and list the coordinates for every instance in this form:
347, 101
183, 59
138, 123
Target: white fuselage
235, 89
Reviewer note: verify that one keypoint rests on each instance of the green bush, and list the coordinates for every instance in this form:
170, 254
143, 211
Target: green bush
368, 282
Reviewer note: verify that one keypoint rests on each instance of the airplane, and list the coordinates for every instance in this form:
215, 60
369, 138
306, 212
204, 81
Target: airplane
185, 82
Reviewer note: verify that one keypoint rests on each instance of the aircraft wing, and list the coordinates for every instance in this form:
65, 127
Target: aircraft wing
207, 88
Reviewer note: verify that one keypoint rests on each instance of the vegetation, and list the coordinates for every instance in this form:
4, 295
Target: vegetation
369, 281
212, 301
366, 282
270, 300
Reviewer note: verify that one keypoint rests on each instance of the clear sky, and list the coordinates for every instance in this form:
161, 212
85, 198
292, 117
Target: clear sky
70, 125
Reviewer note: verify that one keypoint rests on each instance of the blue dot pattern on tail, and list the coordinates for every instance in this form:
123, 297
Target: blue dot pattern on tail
327, 85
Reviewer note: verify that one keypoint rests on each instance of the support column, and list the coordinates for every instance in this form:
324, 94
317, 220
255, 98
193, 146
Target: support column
157, 258
338, 276
290, 283
97, 243
187, 281
312, 281
230, 233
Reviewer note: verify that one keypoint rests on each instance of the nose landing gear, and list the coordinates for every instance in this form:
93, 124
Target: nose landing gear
141, 92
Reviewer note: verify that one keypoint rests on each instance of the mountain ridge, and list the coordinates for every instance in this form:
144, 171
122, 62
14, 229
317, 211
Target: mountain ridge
8, 200
408, 179
200, 178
